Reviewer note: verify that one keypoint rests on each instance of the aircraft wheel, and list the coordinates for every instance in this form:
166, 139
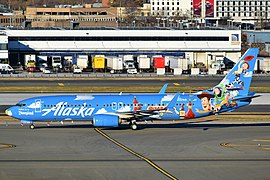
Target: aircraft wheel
32, 126
134, 126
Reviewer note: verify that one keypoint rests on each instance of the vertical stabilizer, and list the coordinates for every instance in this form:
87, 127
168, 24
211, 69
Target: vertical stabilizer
239, 78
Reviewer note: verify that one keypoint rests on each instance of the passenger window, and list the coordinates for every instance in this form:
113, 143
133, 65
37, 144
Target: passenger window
114, 106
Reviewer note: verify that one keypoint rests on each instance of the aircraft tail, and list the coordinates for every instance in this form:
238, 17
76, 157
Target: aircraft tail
239, 78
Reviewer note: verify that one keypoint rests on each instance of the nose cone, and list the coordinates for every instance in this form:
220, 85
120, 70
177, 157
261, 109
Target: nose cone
9, 111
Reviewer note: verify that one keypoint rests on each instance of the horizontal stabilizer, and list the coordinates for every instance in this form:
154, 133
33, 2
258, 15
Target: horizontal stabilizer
246, 98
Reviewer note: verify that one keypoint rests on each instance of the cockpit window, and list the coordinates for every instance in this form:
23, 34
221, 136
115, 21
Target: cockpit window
19, 104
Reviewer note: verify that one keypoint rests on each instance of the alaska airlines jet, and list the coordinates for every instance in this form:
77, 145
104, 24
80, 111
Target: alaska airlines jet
111, 110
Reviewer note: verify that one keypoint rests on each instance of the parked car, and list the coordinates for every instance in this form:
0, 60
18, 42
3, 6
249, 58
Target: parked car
77, 70
43, 66
132, 71
46, 70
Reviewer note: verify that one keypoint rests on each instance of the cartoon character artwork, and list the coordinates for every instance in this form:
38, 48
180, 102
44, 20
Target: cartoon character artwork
221, 97
137, 106
242, 72
190, 114
205, 98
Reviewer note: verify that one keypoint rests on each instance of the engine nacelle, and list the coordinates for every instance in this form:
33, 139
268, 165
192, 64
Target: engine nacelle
107, 120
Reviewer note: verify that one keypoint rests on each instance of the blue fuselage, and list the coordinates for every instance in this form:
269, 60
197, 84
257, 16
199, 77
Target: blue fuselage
84, 107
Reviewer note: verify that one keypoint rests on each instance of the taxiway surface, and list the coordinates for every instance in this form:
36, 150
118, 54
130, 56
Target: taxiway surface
186, 151
196, 81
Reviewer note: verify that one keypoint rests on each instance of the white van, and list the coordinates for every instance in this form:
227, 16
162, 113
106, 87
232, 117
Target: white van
6, 69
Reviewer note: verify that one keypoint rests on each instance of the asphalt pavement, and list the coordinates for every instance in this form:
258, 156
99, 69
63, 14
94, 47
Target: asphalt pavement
196, 81
185, 151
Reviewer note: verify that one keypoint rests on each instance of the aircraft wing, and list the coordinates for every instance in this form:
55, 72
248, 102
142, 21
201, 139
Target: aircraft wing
139, 115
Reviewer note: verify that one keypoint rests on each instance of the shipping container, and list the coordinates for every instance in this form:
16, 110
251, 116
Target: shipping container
82, 61
128, 58
266, 65
160, 71
184, 64
212, 71
167, 60
159, 62
175, 62
98, 62
179, 63
195, 71
143, 62
115, 63
177, 71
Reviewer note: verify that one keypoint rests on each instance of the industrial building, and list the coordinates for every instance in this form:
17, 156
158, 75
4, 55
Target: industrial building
205, 47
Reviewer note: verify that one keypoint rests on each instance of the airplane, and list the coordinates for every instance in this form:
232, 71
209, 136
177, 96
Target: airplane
113, 109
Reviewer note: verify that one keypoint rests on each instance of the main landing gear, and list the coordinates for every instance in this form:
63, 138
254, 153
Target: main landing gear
133, 125
32, 126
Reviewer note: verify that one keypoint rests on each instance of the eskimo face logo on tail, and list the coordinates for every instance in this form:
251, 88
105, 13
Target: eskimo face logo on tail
61, 109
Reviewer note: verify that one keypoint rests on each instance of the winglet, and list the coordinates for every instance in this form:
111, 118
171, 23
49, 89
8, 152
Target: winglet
163, 89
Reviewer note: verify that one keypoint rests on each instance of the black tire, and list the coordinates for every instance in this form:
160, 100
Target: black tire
32, 126
134, 126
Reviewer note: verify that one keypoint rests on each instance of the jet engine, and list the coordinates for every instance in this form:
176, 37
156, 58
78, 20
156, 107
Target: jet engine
107, 120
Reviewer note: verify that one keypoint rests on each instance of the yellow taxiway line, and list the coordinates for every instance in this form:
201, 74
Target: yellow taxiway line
136, 154
2, 146
246, 144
